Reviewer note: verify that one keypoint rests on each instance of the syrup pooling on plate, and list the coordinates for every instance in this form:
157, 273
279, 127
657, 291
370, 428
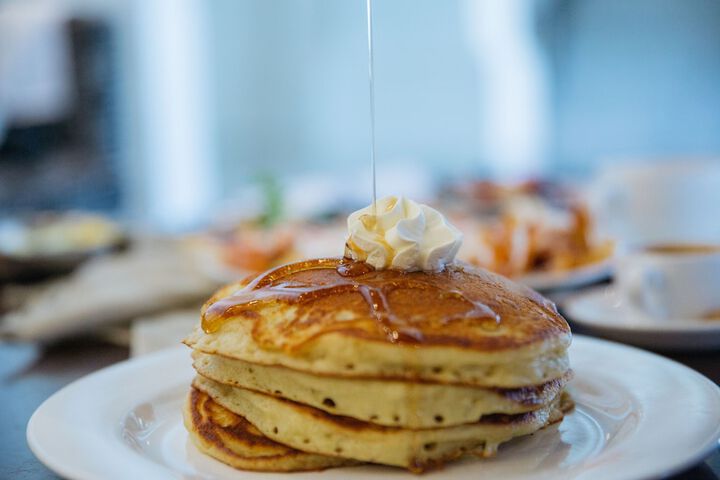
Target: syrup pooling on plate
390, 296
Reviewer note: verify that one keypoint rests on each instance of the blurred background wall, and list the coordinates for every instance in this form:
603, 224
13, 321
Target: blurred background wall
159, 109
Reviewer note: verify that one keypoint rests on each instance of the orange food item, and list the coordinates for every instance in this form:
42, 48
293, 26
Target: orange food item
521, 245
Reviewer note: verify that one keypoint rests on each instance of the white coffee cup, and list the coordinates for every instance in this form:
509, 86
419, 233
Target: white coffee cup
659, 201
672, 281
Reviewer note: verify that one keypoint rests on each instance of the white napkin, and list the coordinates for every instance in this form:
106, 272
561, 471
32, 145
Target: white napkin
151, 277
153, 333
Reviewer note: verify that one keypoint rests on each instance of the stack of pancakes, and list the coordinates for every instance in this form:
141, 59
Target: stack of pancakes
325, 363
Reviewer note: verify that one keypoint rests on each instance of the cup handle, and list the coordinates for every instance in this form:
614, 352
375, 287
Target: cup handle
653, 293
633, 287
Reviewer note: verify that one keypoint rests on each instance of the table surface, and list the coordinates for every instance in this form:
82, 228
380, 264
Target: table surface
30, 373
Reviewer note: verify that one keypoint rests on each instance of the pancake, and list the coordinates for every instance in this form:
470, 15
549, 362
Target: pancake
230, 438
383, 402
462, 326
312, 430
331, 358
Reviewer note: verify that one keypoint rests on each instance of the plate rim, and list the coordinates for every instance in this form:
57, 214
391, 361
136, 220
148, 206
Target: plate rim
62, 467
570, 304
35, 443
566, 279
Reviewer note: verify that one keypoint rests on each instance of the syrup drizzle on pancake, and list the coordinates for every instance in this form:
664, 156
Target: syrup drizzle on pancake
349, 277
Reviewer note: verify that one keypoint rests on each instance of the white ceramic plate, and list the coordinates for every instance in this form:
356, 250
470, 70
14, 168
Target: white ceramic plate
602, 311
567, 279
638, 416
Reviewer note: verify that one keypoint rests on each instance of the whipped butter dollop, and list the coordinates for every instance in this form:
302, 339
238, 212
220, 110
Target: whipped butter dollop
402, 235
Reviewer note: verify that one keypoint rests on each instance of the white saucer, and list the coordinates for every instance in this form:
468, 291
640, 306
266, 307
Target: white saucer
602, 311
567, 279
125, 422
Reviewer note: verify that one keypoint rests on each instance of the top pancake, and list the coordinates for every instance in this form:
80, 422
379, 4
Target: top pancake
327, 317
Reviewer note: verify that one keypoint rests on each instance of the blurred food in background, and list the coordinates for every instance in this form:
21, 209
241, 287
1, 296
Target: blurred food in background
43, 244
254, 249
251, 248
246, 249
533, 226
58, 234
252, 239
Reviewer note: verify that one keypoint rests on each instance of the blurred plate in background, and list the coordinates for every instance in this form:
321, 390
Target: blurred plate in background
568, 279
46, 244
601, 311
